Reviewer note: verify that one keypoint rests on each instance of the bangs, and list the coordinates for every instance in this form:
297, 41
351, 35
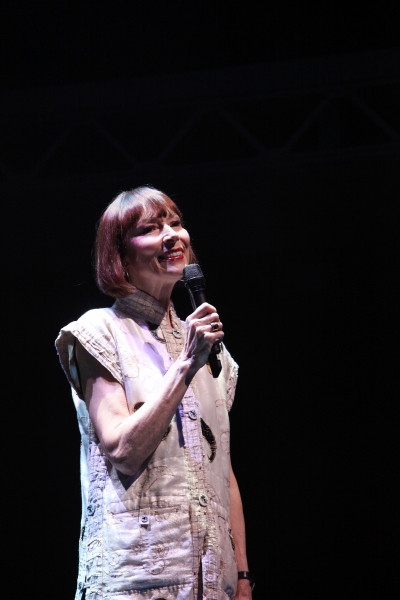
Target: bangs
143, 204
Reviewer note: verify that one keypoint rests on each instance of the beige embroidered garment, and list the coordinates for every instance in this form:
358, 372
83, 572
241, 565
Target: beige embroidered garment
163, 533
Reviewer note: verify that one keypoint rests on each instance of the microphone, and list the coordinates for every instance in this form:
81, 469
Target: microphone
195, 283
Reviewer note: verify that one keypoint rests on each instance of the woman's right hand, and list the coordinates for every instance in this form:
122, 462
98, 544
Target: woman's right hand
203, 330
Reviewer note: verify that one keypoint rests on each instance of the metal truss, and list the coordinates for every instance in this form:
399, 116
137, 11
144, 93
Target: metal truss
337, 107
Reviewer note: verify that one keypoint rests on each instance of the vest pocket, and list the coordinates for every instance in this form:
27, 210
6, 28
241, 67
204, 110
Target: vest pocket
148, 544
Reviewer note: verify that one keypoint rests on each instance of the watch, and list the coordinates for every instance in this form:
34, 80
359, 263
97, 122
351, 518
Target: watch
247, 575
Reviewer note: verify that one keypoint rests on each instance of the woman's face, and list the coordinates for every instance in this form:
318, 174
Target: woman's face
156, 248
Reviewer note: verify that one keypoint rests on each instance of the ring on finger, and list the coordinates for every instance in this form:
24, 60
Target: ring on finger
214, 326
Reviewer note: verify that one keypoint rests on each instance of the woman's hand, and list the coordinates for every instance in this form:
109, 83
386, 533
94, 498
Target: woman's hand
243, 591
203, 330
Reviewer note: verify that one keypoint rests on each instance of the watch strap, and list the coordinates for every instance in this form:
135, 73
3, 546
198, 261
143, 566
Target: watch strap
247, 575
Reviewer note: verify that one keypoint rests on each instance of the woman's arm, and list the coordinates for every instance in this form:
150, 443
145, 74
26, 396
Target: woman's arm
129, 439
239, 536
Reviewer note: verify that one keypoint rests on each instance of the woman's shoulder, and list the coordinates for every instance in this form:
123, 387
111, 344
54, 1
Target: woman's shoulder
102, 324
95, 331
96, 318
98, 314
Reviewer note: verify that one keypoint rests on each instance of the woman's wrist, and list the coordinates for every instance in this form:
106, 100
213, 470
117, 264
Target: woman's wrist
186, 367
244, 578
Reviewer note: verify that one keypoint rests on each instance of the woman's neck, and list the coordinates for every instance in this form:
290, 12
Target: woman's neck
160, 293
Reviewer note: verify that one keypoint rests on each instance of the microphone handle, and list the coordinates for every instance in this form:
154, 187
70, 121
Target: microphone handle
198, 297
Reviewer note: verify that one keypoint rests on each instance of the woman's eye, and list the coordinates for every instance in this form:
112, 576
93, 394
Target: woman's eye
148, 229
176, 223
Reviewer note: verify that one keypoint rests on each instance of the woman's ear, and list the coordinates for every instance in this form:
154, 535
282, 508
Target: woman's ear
125, 268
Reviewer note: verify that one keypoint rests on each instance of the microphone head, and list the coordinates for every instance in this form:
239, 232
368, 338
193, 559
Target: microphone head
192, 272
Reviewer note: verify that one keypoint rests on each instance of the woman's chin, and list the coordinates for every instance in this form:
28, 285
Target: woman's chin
174, 271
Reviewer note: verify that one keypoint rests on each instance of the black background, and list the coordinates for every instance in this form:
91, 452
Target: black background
301, 261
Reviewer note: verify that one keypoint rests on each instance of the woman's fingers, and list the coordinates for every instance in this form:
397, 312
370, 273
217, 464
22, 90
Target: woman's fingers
204, 329
210, 337
203, 310
205, 332
207, 325
203, 315
210, 323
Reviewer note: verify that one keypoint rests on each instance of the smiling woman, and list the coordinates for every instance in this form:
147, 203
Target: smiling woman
161, 510
155, 250
135, 213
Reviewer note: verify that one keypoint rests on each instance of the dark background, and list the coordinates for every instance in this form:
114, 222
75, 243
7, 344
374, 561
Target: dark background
300, 254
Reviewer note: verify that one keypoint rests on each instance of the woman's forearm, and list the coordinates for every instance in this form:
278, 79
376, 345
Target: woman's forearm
238, 524
137, 436
127, 438
239, 536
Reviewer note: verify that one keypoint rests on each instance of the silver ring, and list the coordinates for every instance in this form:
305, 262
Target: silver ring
214, 326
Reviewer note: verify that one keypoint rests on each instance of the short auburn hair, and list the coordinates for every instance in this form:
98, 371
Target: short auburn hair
121, 214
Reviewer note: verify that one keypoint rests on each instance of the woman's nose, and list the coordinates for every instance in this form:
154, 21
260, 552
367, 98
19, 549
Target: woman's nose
170, 235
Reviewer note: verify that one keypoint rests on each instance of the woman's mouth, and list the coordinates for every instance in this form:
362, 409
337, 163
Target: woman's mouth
172, 255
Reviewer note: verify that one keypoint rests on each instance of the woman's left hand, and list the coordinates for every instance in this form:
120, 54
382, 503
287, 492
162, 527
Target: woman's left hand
243, 591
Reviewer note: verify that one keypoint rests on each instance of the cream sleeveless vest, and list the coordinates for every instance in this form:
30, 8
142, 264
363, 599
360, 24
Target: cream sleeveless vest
163, 533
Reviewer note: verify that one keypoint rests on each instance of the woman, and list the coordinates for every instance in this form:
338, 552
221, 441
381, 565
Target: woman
162, 516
